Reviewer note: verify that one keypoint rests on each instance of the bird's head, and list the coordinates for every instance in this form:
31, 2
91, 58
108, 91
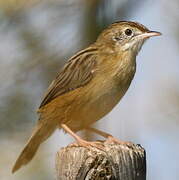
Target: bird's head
125, 36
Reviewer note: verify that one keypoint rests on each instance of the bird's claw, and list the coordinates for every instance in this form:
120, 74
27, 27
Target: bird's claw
88, 144
112, 139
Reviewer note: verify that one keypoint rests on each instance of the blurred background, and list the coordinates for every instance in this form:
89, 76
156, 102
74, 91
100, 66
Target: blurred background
37, 37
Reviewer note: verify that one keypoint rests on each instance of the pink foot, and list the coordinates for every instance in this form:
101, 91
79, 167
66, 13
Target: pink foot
112, 139
88, 144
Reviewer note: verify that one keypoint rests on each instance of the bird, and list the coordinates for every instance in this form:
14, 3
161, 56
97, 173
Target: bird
89, 86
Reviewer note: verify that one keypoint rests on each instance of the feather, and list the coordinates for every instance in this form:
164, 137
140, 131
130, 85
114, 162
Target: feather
76, 73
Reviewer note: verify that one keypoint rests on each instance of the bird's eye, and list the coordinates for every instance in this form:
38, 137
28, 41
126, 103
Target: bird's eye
128, 32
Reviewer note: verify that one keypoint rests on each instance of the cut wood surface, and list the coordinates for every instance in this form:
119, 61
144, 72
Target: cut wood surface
114, 162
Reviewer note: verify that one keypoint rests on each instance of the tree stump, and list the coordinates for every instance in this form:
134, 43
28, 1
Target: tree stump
114, 162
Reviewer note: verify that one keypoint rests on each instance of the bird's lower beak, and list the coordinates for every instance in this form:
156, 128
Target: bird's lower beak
149, 34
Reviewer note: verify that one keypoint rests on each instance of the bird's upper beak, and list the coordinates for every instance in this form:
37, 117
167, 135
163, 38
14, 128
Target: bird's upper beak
149, 34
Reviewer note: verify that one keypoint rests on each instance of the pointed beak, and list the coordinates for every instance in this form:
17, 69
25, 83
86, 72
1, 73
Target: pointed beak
149, 34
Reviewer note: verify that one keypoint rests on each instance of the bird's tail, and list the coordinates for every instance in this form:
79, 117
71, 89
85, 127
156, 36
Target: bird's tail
40, 134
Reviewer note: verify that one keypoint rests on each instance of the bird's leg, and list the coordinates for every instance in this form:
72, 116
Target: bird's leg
108, 136
79, 140
99, 132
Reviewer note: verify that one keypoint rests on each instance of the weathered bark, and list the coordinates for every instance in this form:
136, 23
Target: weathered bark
115, 162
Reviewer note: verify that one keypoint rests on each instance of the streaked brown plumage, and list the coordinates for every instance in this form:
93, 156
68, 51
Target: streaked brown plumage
90, 84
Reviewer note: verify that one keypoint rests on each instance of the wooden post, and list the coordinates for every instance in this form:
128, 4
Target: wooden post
116, 162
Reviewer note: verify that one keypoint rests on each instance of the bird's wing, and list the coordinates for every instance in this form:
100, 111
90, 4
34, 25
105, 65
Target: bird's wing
77, 72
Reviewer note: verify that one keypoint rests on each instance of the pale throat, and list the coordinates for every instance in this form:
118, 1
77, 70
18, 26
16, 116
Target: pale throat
134, 46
